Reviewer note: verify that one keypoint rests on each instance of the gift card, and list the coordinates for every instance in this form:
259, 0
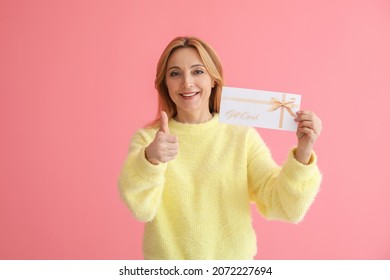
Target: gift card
259, 108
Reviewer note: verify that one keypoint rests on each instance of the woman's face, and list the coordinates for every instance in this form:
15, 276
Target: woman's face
189, 84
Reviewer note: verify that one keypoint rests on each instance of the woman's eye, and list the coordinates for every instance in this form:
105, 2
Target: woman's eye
199, 71
173, 74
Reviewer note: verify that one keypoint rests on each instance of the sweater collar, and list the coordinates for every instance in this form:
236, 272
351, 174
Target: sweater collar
176, 126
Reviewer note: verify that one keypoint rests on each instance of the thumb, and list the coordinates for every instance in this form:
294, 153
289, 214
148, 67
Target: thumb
164, 122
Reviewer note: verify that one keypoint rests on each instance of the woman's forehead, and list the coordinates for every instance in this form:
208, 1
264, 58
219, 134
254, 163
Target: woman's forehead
184, 57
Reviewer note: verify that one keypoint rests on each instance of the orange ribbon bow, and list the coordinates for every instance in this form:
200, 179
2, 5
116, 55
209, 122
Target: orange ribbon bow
276, 104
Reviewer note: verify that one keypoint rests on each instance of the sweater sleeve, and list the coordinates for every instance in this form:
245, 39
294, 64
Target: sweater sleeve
140, 182
280, 192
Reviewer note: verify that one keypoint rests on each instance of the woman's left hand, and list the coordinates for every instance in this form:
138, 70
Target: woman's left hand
308, 131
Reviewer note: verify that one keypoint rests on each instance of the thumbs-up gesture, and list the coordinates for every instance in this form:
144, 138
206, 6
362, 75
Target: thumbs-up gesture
164, 147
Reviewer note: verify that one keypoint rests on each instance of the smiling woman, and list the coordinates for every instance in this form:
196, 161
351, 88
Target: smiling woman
184, 61
189, 86
195, 200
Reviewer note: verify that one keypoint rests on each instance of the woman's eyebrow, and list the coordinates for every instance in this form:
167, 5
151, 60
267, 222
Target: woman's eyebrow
173, 67
196, 65
177, 67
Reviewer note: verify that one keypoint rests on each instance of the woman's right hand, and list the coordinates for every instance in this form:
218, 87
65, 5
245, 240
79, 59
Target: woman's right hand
165, 146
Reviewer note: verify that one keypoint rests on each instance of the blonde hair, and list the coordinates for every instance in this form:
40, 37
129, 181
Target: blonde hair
211, 63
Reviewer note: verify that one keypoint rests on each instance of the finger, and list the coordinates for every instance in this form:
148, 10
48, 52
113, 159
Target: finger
172, 153
304, 112
308, 124
304, 117
164, 140
307, 131
164, 122
167, 158
169, 147
171, 139
172, 146
167, 138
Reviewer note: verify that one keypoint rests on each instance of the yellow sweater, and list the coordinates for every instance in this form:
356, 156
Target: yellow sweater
197, 206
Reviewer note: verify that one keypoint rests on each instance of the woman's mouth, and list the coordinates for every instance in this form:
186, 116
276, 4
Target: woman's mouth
188, 95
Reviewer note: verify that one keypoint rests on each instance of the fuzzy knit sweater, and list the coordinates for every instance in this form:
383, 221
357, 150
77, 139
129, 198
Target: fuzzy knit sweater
197, 206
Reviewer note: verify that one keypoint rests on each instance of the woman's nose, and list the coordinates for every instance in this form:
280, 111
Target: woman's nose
187, 81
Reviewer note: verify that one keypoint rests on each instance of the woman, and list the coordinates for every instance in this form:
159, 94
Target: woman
195, 197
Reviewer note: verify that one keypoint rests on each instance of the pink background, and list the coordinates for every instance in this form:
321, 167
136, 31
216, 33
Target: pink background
76, 81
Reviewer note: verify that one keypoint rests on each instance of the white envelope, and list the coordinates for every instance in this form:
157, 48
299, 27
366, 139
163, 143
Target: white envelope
259, 108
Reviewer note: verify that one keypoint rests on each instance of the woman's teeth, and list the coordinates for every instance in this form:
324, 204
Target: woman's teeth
189, 94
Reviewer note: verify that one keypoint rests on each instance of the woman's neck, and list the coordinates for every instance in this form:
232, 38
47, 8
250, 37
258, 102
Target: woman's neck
193, 117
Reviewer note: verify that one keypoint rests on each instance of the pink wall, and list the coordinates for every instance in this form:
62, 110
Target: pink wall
76, 81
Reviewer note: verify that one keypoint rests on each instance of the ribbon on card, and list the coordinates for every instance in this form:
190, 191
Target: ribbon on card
275, 104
